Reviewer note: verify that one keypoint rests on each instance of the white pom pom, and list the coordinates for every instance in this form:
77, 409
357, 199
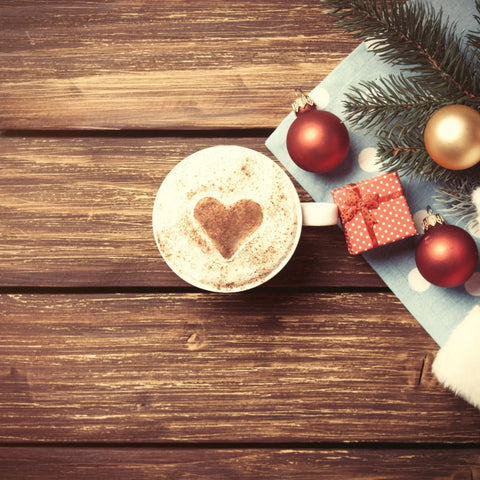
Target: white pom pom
457, 364
476, 202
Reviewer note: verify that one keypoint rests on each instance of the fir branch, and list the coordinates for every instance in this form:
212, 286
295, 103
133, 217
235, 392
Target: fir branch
442, 70
412, 35
408, 156
456, 199
473, 40
454, 188
393, 102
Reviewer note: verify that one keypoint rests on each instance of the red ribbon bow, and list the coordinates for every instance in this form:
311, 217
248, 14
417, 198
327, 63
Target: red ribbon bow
355, 203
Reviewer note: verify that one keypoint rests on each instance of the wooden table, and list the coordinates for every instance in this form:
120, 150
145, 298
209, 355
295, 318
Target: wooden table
113, 368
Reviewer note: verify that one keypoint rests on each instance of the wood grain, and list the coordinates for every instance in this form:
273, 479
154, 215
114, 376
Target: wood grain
76, 211
163, 65
252, 367
247, 464
328, 380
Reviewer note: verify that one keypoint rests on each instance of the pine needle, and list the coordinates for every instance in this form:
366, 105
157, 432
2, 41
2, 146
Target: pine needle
395, 102
456, 199
411, 34
438, 68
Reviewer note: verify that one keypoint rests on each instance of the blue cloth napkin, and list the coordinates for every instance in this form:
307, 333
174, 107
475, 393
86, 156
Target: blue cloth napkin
437, 309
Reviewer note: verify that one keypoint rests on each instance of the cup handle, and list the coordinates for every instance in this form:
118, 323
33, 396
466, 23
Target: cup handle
318, 214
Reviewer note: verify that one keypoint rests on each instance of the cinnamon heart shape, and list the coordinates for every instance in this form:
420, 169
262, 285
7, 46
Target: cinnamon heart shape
228, 227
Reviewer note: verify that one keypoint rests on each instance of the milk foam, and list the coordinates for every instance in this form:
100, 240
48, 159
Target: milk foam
228, 174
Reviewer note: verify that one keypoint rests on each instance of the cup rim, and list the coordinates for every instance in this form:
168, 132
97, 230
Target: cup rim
240, 150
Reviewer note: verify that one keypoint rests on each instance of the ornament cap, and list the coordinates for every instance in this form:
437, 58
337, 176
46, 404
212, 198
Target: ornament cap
432, 219
302, 103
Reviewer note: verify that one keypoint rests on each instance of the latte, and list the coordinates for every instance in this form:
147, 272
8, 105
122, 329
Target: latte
227, 219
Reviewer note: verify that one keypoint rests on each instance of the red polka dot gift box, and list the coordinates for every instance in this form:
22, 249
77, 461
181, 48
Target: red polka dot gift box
373, 212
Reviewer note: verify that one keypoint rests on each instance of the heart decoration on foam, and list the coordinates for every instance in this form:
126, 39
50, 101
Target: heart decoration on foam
228, 227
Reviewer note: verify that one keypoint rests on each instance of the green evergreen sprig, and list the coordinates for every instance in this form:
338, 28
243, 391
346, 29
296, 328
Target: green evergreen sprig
395, 153
456, 198
412, 35
395, 100
437, 68
474, 37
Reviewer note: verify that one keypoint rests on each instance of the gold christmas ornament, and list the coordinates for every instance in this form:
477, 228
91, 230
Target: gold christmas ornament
452, 137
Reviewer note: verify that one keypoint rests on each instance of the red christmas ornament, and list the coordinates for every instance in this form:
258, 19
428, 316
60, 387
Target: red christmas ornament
446, 255
317, 141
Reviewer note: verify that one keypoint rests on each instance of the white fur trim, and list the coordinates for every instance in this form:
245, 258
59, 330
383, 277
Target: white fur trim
476, 202
457, 364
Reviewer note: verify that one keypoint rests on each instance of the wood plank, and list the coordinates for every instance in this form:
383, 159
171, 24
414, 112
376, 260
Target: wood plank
76, 211
170, 64
227, 464
252, 367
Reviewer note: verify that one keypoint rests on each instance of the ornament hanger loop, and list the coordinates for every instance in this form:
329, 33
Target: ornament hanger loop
301, 101
432, 219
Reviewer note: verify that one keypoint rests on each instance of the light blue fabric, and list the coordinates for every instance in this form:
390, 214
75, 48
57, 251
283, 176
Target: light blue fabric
437, 309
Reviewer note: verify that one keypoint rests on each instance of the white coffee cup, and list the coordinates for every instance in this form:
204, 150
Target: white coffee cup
228, 218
